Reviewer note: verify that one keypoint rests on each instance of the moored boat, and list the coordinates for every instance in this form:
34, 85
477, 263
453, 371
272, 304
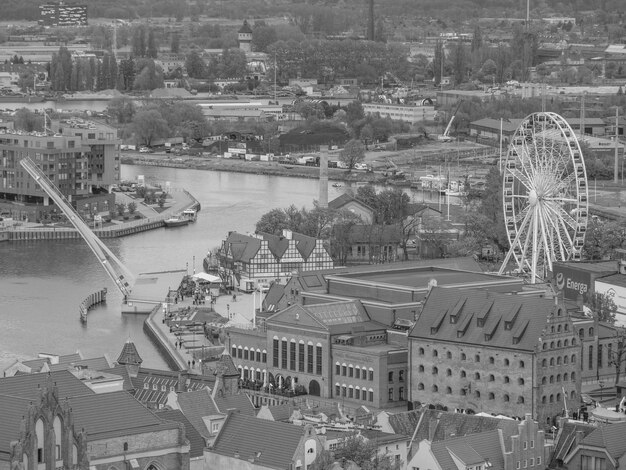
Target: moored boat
175, 221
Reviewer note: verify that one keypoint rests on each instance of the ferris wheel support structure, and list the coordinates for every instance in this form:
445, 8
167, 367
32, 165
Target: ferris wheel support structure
545, 196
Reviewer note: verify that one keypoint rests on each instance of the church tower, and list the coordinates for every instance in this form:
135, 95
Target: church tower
130, 358
245, 37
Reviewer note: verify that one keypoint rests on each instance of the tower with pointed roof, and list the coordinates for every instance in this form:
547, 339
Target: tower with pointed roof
130, 358
245, 37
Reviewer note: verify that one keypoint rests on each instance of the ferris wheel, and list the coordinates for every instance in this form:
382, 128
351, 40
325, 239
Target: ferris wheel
545, 195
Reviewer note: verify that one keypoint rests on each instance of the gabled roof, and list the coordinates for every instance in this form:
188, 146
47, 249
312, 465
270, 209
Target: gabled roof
274, 443
471, 450
509, 321
304, 243
196, 441
196, 405
12, 410
129, 354
245, 28
273, 296
113, 414
281, 412
438, 425
37, 364
238, 402
405, 422
242, 247
27, 386
277, 244
344, 199
612, 438
95, 363
122, 371
566, 439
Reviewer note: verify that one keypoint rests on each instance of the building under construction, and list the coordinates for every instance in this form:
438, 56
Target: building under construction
61, 14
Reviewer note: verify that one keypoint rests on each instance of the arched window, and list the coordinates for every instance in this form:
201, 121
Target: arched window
463, 356
463, 392
492, 360
566, 327
565, 359
58, 434
551, 344
551, 361
581, 333
521, 364
565, 343
572, 395
558, 361
477, 394
125, 446
558, 397
520, 381
565, 377
543, 399
552, 329
448, 372
520, 400
505, 398
558, 344
449, 355
420, 368
545, 346
448, 390
506, 379
573, 377
39, 432
420, 386
591, 331
558, 329
544, 363
477, 358
477, 376
435, 388
492, 396
435, 353
551, 398
435, 370
544, 381
552, 379
506, 362
463, 374
421, 351
558, 378
573, 358
491, 378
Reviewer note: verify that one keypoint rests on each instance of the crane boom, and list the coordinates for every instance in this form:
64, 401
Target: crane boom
445, 135
121, 276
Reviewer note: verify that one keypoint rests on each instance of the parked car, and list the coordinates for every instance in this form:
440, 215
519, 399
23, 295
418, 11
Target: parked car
144, 150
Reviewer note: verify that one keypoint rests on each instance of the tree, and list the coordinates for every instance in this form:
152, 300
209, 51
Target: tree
151, 50
617, 354
438, 61
601, 239
196, 68
602, 307
149, 77
272, 222
132, 208
175, 44
149, 125
120, 208
354, 112
364, 452
352, 153
28, 121
262, 36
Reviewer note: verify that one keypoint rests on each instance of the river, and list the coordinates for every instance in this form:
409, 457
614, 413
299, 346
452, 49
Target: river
42, 283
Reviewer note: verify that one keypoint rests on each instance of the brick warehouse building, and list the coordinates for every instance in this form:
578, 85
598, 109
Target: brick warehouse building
485, 351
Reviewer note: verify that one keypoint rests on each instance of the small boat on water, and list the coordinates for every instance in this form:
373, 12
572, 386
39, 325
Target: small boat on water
175, 221
190, 214
337, 185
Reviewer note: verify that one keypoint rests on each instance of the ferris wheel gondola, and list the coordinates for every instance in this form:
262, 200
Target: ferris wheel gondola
545, 195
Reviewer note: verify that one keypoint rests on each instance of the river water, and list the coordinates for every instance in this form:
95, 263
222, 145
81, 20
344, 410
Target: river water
42, 283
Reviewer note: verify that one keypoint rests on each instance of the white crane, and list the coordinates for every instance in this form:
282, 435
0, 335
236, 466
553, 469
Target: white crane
121, 276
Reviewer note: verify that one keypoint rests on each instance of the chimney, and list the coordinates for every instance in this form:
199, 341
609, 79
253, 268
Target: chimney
323, 198
288, 234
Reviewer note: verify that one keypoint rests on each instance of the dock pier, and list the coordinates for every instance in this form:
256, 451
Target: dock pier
90, 302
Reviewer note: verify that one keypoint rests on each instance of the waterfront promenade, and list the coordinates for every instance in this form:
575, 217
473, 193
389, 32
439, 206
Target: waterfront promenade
178, 327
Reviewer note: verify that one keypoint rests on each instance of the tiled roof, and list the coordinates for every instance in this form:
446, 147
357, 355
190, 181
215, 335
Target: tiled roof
281, 412
335, 313
12, 409
273, 296
245, 28
612, 438
242, 247
239, 402
471, 450
278, 245
96, 363
510, 321
196, 405
304, 243
122, 371
36, 364
438, 425
340, 201
110, 414
382, 438
406, 422
274, 442
129, 354
566, 439
196, 441
27, 385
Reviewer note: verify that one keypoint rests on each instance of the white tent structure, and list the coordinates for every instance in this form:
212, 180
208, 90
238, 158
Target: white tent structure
207, 278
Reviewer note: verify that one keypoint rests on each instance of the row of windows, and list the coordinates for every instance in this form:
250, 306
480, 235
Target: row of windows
551, 398
559, 361
356, 372
476, 394
526, 464
544, 380
249, 355
355, 393
297, 356
491, 378
492, 360
559, 344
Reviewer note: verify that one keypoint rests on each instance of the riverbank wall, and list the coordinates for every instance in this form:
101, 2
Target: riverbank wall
172, 356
